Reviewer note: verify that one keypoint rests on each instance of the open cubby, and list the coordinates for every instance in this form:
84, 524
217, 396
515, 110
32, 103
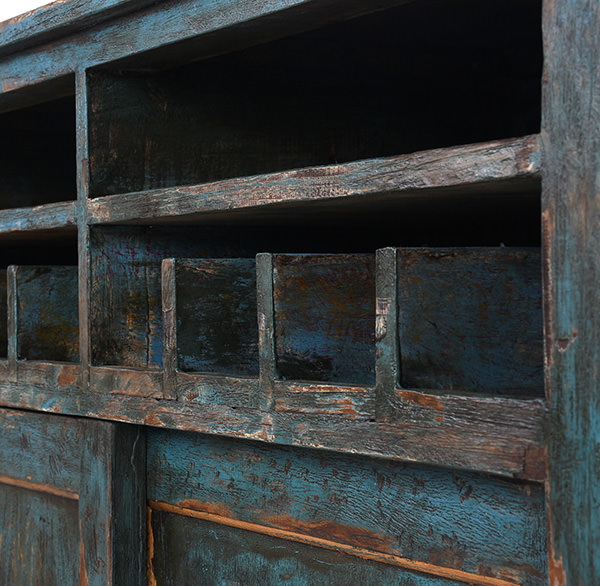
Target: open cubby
37, 154
216, 316
324, 315
419, 76
470, 320
47, 314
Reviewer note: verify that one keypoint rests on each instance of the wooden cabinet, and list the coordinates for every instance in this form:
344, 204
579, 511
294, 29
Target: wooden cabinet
299, 292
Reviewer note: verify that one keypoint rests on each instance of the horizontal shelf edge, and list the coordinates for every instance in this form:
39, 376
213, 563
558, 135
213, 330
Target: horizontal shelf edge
50, 216
493, 163
482, 446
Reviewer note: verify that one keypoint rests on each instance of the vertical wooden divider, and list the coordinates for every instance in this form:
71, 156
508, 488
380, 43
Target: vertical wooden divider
386, 331
266, 332
11, 294
83, 241
169, 328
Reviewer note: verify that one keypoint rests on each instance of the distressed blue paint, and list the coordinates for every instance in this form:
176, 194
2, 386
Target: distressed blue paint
39, 538
47, 313
460, 520
470, 319
189, 551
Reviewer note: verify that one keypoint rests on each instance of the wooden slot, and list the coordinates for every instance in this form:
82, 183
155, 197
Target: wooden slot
324, 313
217, 329
47, 314
470, 320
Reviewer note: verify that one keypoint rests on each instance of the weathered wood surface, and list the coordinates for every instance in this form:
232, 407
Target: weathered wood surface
37, 157
324, 313
486, 165
40, 537
130, 381
56, 375
47, 313
78, 490
49, 216
470, 320
224, 555
503, 437
459, 521
217, 329
570, 218
3, 315
59, 18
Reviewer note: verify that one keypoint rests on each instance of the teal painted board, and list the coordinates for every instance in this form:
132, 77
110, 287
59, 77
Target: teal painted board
470, 320
39, 538
47, 313
457, 520
196, 552
3, 316
324, 315
216, 316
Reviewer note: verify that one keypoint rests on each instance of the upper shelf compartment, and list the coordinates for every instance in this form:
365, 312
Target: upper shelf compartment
37, 163
393, 82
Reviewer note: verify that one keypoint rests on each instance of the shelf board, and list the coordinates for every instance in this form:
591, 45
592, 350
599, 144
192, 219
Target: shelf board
50, 216
499, 167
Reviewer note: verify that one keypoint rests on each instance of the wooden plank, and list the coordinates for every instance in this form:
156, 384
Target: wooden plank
216, 389
57, 19
245, 554
47, 318
48, 216
127, 381
387, 357
12, 309
570, 217
52, 374
83, 232
455, 520
484, 165
40, 535
324, 311
167, 23
500, 436
169, 301
470, 320
3, 315
263, 397
217, 328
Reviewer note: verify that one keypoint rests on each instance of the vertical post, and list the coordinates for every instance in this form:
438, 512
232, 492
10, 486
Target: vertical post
571, 245
81, 107
386, 331
266, 331
11, 295
169, 328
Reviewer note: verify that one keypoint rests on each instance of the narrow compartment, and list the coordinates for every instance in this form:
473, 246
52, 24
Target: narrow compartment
37, 154
324, 314
47, 315
216, 319
470, 320
415, 77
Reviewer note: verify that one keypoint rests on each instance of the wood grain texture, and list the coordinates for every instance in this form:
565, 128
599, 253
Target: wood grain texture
470, 320
324, 312
130, 381
169, 349
570, 218
47, 317
216, 316
455, 520
49, 216
502, 437
3, 315
228, 555
75, 496
31, 552
486, 165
